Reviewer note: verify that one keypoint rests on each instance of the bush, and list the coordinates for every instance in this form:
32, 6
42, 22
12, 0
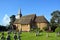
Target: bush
35, 29
57, 30
45, 28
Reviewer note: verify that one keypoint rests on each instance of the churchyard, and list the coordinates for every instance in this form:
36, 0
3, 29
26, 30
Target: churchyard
31, 36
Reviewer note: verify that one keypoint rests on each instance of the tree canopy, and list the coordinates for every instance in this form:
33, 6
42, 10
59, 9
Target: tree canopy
12, 18
55, 20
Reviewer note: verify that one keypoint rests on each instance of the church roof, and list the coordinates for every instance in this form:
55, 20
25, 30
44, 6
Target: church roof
17, 21
30, 18
41, 19
25, 19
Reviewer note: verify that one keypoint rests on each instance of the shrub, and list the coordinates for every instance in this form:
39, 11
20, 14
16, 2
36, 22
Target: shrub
35, 29
57, 30
45, 28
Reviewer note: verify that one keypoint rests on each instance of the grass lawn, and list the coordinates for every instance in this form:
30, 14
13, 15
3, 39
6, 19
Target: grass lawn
32, 36
43, 36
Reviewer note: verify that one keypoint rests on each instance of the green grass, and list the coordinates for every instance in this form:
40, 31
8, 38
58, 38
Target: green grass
32, 36
43, 36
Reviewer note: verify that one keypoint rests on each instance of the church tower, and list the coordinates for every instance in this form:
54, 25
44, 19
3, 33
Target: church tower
19, 15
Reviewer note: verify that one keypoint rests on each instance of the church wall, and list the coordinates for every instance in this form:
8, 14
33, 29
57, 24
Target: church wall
25, 27
18, 27
41, 25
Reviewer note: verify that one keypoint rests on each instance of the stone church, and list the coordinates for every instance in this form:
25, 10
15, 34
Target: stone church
25, 23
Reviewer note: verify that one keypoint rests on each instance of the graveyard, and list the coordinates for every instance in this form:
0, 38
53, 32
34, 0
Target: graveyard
31, 36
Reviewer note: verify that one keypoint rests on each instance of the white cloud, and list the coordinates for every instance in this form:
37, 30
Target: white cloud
6, 20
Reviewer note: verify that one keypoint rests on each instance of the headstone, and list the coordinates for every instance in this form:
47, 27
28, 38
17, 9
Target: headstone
18, 33
8, 37
19, 36
15, 37
47, 35
37, 33
58, 33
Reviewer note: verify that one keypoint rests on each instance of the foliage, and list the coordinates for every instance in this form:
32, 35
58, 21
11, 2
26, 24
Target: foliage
57, 30
12, 18
45, 28
35, 29
3, 28
55, 20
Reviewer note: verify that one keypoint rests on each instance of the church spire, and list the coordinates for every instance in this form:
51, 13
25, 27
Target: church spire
19, 12
19, 15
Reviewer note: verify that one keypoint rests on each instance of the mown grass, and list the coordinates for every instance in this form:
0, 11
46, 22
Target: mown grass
32, 36
42, 36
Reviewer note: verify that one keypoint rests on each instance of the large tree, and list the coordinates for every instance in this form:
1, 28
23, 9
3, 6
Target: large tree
12, 19
55, 20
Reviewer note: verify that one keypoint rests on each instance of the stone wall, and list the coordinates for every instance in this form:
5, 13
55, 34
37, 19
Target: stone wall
25, 27
42, 25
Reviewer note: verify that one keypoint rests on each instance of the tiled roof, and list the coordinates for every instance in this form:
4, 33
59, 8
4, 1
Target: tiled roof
41, 19
30, 18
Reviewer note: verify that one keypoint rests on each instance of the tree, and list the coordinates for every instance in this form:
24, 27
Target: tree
3, 28
12, 19
56, 16
55, 20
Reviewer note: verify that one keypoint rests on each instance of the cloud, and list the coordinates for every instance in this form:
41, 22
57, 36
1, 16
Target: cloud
6, 20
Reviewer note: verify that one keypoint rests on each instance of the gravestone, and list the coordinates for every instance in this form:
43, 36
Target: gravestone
19, 36
58, 34
47, 35
37, 33
15, 36
8, 37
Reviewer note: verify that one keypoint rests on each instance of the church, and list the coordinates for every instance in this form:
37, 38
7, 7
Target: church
25, 23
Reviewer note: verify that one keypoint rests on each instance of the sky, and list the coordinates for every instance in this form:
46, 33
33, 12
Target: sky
38, 7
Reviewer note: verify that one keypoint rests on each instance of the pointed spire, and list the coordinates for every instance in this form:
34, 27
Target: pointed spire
19, 15
19, 12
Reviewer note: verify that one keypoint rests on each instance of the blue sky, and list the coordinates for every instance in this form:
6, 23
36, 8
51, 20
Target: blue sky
38, 7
